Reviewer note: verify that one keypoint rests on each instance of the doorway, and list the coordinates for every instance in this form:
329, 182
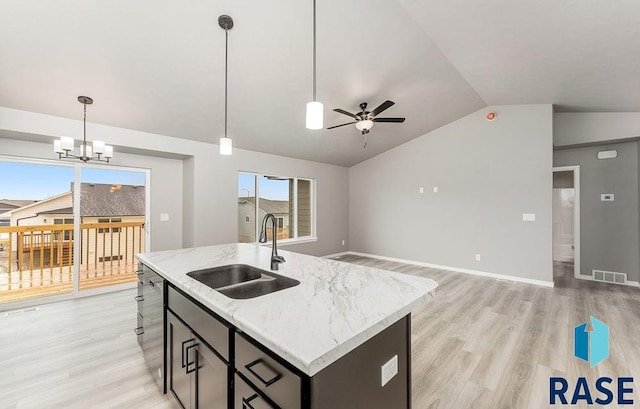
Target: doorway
566, 217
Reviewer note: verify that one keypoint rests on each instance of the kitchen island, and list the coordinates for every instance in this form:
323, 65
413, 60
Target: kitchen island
320, 330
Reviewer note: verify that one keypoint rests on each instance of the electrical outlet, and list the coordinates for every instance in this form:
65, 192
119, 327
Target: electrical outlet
343, 242
528, 217
389, 370
478, 257
435, 189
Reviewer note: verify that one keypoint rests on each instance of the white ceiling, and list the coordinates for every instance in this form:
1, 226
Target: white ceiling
158, 66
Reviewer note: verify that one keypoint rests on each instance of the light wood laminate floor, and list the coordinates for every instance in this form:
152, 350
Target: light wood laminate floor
481, 343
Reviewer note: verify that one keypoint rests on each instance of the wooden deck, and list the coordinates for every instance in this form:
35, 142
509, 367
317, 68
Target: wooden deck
47, 282
38, 260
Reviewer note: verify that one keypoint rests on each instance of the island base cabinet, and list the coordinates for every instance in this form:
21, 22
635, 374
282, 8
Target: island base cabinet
355, 380
197, 377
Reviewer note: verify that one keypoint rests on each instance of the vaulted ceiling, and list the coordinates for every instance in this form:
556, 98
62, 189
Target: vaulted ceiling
158, 66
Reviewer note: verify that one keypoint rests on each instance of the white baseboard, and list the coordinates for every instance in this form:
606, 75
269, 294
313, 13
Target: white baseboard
344, 253
458, 270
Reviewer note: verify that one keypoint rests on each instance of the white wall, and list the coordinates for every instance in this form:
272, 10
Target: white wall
199, 188
576, 128
487, 173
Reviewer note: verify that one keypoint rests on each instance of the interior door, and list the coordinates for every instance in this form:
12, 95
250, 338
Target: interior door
178, 340
211, 379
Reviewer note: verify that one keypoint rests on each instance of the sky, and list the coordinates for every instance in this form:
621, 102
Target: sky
269, 189
26, 181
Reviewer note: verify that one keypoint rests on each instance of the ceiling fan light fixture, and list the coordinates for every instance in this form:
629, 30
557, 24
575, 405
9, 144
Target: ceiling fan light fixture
226, 146
364, 125
315, 114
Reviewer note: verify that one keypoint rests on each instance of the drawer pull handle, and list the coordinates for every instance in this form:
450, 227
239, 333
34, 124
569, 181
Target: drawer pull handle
246, 403
266, 382
139, 298
195, 361
185, 358
139, 331
139, 272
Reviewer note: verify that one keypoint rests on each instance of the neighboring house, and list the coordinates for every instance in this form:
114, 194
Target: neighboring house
99, 203
247, 212
7, 205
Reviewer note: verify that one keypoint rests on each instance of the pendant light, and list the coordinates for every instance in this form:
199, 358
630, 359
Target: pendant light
66, 144
314, 108
226, 23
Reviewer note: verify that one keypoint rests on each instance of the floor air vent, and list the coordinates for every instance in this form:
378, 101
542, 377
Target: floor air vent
610, 277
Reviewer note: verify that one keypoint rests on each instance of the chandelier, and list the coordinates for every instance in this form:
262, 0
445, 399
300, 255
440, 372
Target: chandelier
97, 151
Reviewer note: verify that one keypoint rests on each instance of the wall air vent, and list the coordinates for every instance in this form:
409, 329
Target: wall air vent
610, 277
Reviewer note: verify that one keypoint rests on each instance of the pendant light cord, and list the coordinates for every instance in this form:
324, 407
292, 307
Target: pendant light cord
314, 50
226, 69
84, 136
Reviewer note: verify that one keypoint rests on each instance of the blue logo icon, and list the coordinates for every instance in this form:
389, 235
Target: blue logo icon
591, 344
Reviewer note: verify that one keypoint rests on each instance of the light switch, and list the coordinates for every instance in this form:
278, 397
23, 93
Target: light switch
528, 217
389, 370
164, 217
421, 190
435, 189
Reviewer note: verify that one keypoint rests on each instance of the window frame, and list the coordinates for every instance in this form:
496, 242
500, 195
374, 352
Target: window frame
312, 192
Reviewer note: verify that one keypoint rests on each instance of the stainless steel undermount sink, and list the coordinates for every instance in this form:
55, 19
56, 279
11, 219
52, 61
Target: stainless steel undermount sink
241, 281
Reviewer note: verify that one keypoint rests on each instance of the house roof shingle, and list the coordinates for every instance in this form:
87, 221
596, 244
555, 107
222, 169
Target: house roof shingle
98, 199
267, 205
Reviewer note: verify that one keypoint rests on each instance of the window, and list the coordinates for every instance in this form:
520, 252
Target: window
67, 233
289, 199
110, 220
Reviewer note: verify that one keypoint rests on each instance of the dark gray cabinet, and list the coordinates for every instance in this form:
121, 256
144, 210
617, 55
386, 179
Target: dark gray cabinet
196, 376
197, 355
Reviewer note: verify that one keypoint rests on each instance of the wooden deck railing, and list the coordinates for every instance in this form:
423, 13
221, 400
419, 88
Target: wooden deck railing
36, 260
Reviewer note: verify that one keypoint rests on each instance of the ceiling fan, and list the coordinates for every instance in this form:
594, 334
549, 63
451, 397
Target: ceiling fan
364, 119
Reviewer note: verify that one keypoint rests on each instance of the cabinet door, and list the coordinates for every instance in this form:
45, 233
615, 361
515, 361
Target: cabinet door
179, 338
247, 398
210, 379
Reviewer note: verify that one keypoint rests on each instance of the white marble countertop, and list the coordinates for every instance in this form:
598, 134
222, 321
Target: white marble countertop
337, 306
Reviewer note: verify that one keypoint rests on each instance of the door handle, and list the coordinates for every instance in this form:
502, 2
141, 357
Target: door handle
195, 361
266, 382
185, 358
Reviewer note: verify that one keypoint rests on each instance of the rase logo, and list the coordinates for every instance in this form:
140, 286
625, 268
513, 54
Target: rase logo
591, 344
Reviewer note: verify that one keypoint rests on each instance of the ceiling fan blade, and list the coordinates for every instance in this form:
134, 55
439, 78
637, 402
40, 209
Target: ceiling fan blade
338, 126
397, 120
342, 111
385, 105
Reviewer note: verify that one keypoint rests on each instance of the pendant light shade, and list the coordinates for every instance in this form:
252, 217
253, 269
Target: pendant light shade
226, 146
315, 114
226, 23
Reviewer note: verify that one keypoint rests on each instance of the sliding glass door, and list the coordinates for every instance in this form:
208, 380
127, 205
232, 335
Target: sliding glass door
68, 228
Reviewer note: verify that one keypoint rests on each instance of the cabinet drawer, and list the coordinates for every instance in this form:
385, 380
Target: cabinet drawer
277, 382
205, 325
247, 398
